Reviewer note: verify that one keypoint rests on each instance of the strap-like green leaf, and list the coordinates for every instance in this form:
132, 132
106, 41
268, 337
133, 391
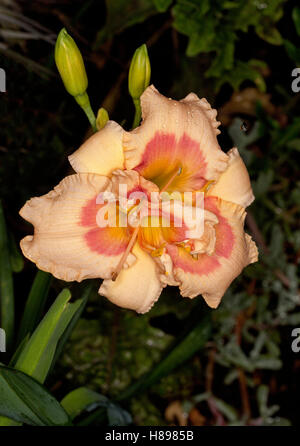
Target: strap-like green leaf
82, 399
25, 400
76, 315
35, 304
37, 356
18, 352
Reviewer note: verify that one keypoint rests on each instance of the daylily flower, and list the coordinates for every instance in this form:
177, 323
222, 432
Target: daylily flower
175, 149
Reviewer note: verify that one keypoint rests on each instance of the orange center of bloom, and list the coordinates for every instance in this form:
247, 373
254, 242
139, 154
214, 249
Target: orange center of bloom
153, 235
156, 222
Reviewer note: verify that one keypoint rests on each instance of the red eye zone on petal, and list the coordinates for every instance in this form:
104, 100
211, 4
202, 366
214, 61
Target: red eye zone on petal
182, 259
205, 263
89, 213
109, 241
162, 156
224, 233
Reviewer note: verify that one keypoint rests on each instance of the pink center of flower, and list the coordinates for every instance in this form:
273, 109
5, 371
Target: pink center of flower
142, 205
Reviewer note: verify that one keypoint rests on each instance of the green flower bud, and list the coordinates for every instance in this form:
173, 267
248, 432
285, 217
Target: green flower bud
102, 118
139, 72
70, 64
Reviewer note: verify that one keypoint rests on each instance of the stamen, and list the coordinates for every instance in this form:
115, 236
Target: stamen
206, 186
135, 232
168, 183
185, 246
125, 254
157, 252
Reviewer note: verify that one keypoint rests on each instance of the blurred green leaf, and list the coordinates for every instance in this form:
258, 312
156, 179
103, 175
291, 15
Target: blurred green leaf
35, 303
269, 33
162, 5
122, 14
189, 16
37, 356
201, 397
24, 400
214, 29
7, 305
296, 18
267, 362
294, 144
294, 319
226, 409
224, 59
258, 345
233, 354
231, 376
282, 137
242, 140
241, 72
278, 421
262, 395
263, 183
202, 41
190, 19
292, 50
277, 242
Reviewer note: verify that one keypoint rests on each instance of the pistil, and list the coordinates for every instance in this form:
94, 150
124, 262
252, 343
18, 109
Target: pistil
171, 179
125, 254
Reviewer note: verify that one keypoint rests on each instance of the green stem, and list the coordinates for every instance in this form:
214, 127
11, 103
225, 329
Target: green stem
138, 113
84, 102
